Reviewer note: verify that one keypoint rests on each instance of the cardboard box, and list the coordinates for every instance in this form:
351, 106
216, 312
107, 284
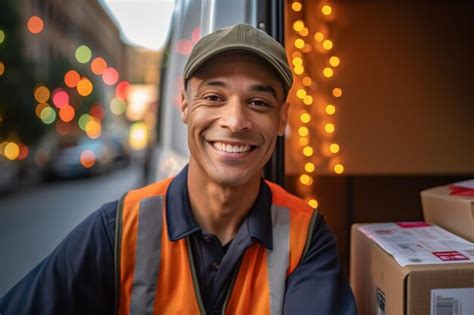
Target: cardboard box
382, 286
454, 213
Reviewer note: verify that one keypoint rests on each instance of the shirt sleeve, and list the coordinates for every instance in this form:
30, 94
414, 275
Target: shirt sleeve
76, 278
318, 285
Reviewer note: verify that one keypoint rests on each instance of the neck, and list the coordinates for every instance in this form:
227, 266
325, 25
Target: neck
219, 209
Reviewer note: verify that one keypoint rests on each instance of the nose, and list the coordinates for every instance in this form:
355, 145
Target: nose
235, 116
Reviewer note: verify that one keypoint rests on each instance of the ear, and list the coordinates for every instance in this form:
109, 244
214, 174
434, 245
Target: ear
184, 106
283, 118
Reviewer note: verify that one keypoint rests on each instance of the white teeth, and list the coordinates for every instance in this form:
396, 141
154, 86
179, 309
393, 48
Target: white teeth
231, 148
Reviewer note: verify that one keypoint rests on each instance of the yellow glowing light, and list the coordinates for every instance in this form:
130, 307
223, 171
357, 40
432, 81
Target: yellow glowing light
84, 87
305, 118
297, 61
328, 72
308, 151
329, 127
303, 131
83, 54
339, 168
2, 68
296, 6
304, 141
138, 136
307, 81
299, 70
2, 36
327, 44
304, 32
318, 36
309, 167
42, 94
93, 129
298, 25
308, 100
326, 9
306, 180
87, 158
11, 151
300, 93
334, 61
299, 43
330, 109
334, 148
337, 92
313, 203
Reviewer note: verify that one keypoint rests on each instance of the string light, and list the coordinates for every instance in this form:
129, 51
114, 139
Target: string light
296, 6
298, 25
313, 203
330, 109
328, 72
309, 167
308, 151
301, 93
334, 148
299, 43
334, 61
326, 9
327, 44
304, 141
319, 37
303, 131
329, 128
308, 100
305, 118
307, 81
338, 168
337, 92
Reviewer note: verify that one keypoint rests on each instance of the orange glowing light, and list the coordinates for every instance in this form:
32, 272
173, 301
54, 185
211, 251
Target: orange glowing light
66, 113
329, 128
318, 36
11, 151
42, 94
304, 32
98, 65
305, 180
110, 76
39, 108
87, 158
93, 129
71, 78
296, 6
304, 141
24, 151
337, 92
84, 87
2, 68
330, 109
35, 24
334, 61
307, 81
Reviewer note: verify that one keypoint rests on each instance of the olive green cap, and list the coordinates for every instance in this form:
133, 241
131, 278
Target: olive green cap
240, 37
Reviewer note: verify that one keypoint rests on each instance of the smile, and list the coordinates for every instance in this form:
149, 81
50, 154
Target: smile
231, 148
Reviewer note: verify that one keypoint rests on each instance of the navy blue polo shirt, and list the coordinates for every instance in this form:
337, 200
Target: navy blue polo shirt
78, 276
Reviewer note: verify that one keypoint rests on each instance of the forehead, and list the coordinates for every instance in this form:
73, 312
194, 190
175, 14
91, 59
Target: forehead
239, 64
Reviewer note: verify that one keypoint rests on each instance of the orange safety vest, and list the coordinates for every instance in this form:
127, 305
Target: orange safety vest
156, 276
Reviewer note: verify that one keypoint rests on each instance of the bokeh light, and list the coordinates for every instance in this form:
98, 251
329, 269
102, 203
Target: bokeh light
72, 78
138, 136
42, 94
98, 65
326, 9
97, 111
84, 87
309, 167
122, 89
184, 47
330, 109
2, 36
329, 128
35, 24
60, 98
62, 128
110, 76
304, 32
334, 61
48, 115
305, 118
308, 151
327, 44
196, 35
117, 106
307, 81
308, 100
313, 203
83, 54
24, 151
299, 43
334, 148
66, 113
93, 129
39, 108
301, 93
338, 168
83, 120
303, 141
11, 151
303, 131
318, 36
299, 70
337, 92
2, 68
328, 72
306, 180
87, 158
296, 6
298, 25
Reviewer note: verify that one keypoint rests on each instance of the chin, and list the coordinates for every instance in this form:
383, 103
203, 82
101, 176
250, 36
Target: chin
233, 178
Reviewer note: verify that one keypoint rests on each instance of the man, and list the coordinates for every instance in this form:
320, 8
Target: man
217, 238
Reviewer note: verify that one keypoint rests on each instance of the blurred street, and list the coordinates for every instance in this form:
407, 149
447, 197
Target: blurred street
34, 220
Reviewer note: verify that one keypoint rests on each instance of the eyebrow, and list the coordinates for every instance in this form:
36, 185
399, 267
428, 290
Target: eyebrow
253, 88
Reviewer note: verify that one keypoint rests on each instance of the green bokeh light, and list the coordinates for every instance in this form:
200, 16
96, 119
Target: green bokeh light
83, 54
48, 115
83, 121
117, 106
2, 36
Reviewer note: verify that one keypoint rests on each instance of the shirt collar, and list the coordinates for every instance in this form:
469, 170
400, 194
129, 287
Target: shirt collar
181, 222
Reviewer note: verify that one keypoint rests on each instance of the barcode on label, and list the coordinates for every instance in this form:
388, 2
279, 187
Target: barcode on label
445, 306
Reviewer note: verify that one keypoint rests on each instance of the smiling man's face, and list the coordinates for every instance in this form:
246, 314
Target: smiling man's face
234, 108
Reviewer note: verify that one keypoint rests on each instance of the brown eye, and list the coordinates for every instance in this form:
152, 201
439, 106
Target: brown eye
258, 103
213, 98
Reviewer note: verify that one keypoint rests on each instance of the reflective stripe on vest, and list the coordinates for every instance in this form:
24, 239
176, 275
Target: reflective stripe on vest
157, 276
